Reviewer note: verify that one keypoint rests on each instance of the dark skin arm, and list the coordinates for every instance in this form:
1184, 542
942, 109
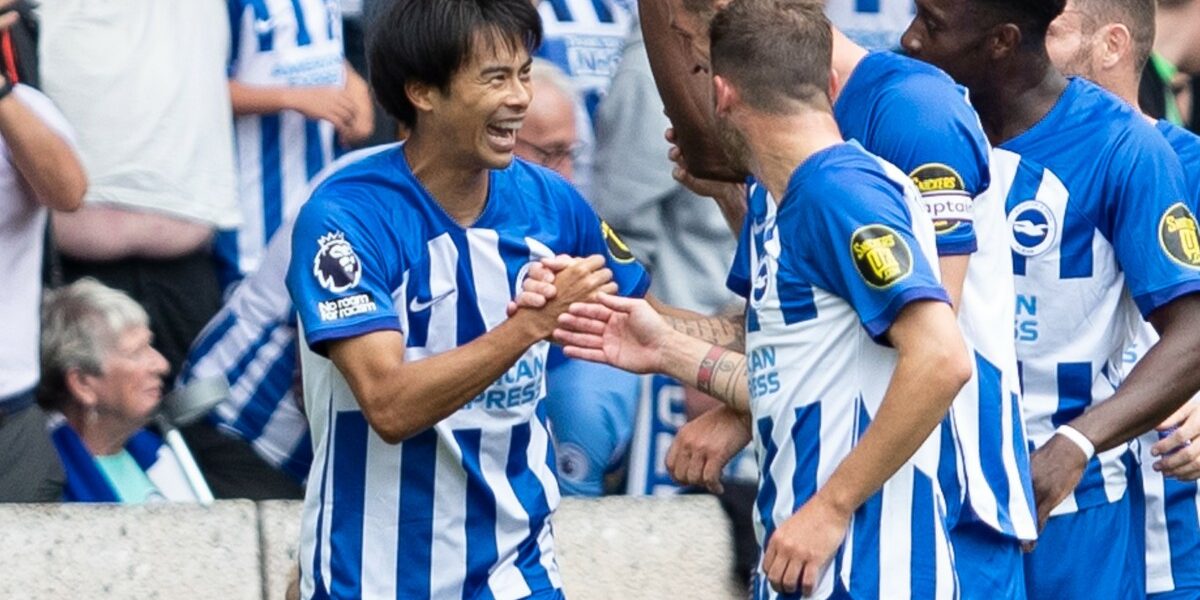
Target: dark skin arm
1162, 382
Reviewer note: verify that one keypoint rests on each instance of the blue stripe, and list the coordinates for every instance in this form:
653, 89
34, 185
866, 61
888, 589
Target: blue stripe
752, 324
418, 462
234, 374
272, 177
795, 297
227, 258
561, 12
314, 151
302, 37
866, 6
205, 343
1024, 187
1021, 452
481, 518
532, 497
864, 573
947, 472
766, 489
470, 320
991, 438
349, 490
1074, 397
271, 390
418, 288
602, 13
923, 570
1183, 530
1076, 256
266, 38
806, 436
237, 12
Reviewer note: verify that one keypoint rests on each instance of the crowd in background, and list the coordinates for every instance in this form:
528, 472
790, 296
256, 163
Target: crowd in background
157, 153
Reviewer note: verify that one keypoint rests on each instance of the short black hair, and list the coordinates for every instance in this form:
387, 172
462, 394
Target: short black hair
1032, 16
774, 51
430, 40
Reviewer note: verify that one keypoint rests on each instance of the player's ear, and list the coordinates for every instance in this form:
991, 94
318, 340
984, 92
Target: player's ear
1004, 40
420, 94
1116, 42
835, 83
724, 94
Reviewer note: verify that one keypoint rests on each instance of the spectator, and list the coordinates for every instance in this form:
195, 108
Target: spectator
1176, 56
590, 406
292, 91
872, 25
103, 380
143, 84
40, 171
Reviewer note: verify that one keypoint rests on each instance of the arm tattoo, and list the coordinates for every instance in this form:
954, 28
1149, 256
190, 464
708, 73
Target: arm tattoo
725, 331
722, 374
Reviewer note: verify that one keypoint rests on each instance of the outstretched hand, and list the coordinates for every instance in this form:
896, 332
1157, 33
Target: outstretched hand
626, 333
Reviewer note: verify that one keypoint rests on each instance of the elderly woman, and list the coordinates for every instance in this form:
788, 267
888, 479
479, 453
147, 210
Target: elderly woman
102, 383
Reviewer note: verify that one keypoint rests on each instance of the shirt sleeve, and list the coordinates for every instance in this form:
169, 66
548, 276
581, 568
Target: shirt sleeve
943, 151
597, 237
341, 275
1151, 224
860, 244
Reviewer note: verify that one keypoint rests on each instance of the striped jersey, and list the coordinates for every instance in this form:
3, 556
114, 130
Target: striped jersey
277, 43
834, 264
251, 344
1101, 228
461, 509
1172, 506
873, 24
914, 116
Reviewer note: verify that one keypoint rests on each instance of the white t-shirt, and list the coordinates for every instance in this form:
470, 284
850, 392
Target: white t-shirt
144, 85
22, 225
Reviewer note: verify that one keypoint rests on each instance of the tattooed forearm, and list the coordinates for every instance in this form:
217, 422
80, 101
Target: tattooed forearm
726, 331
722, 374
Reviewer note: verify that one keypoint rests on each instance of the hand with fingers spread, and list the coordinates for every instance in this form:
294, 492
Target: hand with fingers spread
704, 446
800, 550
1178, 452
626, 333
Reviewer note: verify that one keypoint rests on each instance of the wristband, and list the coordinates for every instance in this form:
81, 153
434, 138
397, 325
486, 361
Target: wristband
1078, 439
704, 375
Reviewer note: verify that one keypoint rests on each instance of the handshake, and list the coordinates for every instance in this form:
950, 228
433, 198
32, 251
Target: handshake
550, 286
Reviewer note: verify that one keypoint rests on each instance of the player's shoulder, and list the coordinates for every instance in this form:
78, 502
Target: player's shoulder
364, 182
846, 177
917, 83
536, 185
1185, 143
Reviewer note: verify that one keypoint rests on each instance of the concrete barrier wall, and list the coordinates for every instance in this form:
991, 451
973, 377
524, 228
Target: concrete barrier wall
616, 547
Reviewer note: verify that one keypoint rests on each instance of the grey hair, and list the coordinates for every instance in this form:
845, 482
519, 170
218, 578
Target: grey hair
80, 326
549, 74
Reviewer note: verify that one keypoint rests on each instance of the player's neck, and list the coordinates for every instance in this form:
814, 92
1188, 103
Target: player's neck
1018, 96
846, 56
780, 144
461, 190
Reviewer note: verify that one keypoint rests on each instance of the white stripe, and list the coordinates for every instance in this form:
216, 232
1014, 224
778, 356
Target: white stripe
447, 554
1158, 543
505, 581
381, 497
895, 534
490, 275
250, 190
539, 447
443, 320
283, 431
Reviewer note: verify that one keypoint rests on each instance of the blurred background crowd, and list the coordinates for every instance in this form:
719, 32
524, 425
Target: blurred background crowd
155, 156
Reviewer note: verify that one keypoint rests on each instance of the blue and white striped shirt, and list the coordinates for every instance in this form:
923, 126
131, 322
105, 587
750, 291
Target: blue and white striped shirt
873, 24
1101, 229
278, 43
847, 248
461, 509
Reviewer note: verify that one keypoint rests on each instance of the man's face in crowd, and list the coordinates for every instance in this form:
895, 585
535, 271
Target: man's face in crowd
548, 137
1070, 41
946, 33
486, 102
